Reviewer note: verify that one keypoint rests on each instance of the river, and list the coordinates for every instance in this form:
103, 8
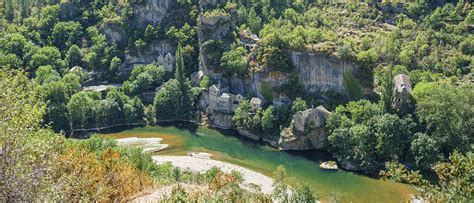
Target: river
303, 166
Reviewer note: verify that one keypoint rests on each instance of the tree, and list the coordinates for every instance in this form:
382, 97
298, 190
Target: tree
446, 111
46, 74
387, 87
268, 120
28, 151
425, 150
299, 105
74, 56
303, 193
393, 135
454, 179
234, 62
57, 95
280, 184
65, 34
253, 20
114, 65
81, 109
47, 56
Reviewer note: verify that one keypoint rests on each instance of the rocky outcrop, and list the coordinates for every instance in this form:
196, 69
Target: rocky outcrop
153, 53
215, 28
151, 12
247, 133
307, 130
114, 34
221, 121
207, 4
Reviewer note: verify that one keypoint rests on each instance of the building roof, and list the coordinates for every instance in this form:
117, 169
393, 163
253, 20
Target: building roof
402, 81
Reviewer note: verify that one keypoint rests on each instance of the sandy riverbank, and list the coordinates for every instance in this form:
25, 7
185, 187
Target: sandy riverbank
199, 162
202, 164
148, 144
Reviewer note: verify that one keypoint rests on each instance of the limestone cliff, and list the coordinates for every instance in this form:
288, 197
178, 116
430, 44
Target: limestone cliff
215, 34
151, 12
156, 52
307, 130
319, 72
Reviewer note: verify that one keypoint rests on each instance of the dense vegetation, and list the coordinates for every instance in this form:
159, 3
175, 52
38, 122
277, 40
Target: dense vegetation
61, 46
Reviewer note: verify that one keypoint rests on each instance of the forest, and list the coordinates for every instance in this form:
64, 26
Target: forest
52, 50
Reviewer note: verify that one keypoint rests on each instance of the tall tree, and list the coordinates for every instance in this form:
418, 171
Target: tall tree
179, 74
387, 85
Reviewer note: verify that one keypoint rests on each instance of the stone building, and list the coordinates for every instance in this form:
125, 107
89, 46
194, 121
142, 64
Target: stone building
196, 78
220, 100
167, 61
248, 40
256, 103
307, 130
281, 100
403, 98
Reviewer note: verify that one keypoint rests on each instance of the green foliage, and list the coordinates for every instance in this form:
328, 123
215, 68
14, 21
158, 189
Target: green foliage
447, 112
268, 120
74, 56
352, 86
65, 34
144, 78
361, 135
175, 100
266, 90
299, 105
454, 178
387, 85
87, 109
425, 150
206, 82
234, 62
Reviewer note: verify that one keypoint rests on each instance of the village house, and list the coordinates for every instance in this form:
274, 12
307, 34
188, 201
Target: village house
256, 103
248, 40
403, 98
167, 61
196, 78
281, 100
220, 100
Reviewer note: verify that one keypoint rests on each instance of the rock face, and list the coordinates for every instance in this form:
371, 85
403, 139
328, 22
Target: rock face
151, 12
114, 34
320, 72
222, 121
215, 28
156, 52
307, 130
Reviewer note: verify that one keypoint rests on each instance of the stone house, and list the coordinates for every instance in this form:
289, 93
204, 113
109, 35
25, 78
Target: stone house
196, 78
281, 100
248, 40
167, 61
403, 98
307, 130
220, 100
256, 103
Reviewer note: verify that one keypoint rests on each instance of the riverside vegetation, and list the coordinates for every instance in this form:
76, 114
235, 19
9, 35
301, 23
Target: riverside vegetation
50, 49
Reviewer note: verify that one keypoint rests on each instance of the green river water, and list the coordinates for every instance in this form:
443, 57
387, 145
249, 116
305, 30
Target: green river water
303, 166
